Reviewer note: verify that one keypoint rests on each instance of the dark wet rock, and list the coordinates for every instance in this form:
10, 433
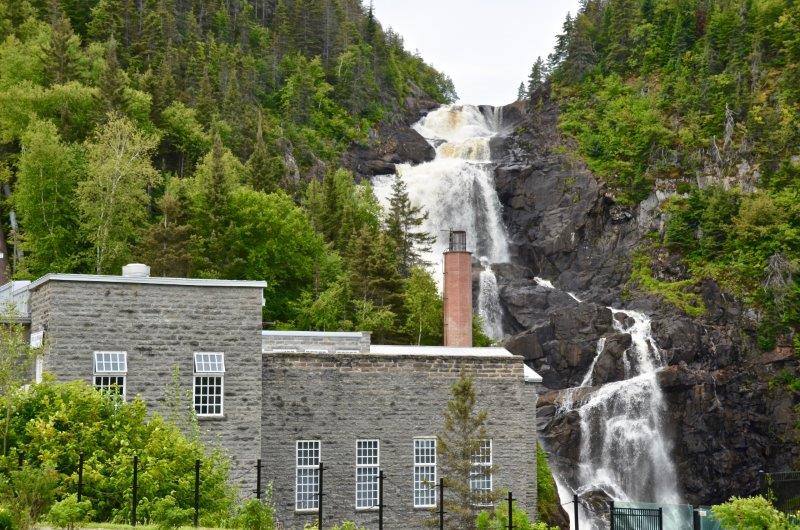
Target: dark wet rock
388, 145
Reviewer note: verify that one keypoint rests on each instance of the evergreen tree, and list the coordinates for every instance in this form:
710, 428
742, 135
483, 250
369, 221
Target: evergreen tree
265, 172
458, 446
113, 80
536, 82
403, 222
522, 93
63, 55
165, 246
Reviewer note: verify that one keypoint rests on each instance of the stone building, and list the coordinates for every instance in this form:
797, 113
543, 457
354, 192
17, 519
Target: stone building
293, 399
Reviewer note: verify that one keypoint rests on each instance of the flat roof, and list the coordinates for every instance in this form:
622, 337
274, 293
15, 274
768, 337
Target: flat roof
151, 280
438, 351
291, 333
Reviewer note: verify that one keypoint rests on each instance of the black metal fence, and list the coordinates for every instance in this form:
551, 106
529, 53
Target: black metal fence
636, 518
784, 489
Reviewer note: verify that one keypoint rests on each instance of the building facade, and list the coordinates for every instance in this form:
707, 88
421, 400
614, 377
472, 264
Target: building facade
290, 399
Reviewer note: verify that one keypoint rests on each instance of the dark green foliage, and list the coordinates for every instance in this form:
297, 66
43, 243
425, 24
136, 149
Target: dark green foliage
403, 222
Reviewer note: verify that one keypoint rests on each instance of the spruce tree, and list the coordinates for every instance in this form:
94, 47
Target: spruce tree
165, 245
536, 79
521, 92
458, 446
264, 171
61, 62
403, 222
113, 80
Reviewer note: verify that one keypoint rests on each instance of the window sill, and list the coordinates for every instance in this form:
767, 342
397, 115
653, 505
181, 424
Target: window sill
211, 417
306, 510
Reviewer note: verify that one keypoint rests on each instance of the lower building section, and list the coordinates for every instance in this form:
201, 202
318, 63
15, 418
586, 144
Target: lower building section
357, 415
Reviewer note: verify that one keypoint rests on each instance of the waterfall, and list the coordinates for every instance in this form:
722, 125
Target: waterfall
457, 191
489, 302
624, 451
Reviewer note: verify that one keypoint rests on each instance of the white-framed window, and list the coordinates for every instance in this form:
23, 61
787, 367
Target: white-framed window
37, 339
306, 493
110, 371
368, 461
424, 472
209, 383
480, 476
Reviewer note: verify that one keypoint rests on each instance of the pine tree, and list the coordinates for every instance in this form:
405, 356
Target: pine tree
61, 62
458, 446
522, 94
113, 80
403, 224
264, 171
536, 79
166, 244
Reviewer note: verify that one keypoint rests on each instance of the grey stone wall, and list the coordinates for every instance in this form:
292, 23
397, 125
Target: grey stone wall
161, 326
341, 398
315, 340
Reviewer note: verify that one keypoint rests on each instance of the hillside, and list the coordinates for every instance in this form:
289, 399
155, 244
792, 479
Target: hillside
205, 138
652, 178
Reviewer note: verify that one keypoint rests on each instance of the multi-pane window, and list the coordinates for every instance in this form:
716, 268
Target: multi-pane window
480, 476
209, 372
110, 370
424, 472
367, 470
307, 477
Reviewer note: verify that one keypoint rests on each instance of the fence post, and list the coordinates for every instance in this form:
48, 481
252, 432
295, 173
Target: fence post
660, 518
320, 494
441, 503
510, 511
20, 459
80, 476
258, 479
611, 509
196, 493
575, 511
135, 500
696, 524
380, 499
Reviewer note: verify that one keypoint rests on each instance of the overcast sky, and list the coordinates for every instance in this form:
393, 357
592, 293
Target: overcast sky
486, 46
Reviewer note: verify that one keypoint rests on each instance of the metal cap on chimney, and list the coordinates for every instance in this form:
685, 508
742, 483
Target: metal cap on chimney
458, 292
136, 270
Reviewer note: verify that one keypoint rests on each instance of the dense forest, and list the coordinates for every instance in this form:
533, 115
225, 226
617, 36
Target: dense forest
699, 99
203, 138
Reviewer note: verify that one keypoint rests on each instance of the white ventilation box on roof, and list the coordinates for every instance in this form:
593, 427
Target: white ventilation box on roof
136, 270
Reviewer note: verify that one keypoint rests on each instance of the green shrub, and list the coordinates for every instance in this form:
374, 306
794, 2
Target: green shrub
753, 513
68, 512
7, 521
256, 515
547, 494
168, 515
28, 493
498, 520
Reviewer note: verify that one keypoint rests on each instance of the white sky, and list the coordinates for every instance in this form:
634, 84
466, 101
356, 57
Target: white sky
486, 46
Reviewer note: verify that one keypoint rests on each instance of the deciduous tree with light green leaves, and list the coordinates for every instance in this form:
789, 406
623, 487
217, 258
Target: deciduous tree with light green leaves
423, 307
113, 198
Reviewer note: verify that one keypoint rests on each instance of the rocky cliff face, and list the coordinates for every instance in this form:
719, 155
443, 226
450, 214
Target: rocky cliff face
725, 418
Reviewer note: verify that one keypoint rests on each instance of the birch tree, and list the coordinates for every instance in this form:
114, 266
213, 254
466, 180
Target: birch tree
113, 199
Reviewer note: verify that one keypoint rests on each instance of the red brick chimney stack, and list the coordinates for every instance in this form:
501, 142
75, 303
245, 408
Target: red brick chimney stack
458, 292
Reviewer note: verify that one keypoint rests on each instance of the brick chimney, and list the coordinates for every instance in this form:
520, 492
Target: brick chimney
458, 292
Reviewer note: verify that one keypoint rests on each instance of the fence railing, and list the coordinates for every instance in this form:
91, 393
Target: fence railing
636, 518
784, 489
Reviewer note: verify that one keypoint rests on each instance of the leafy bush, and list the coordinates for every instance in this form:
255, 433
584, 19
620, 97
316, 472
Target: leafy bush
256, 515
753, 513
498, 520
546, 492
56, 422
168, 515
68, 512
7, 521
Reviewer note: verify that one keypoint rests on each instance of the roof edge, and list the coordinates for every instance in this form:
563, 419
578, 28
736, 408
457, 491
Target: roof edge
151, 280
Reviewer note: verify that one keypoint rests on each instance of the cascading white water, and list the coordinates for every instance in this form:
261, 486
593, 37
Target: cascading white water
489, 302
624, 451
457, 191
